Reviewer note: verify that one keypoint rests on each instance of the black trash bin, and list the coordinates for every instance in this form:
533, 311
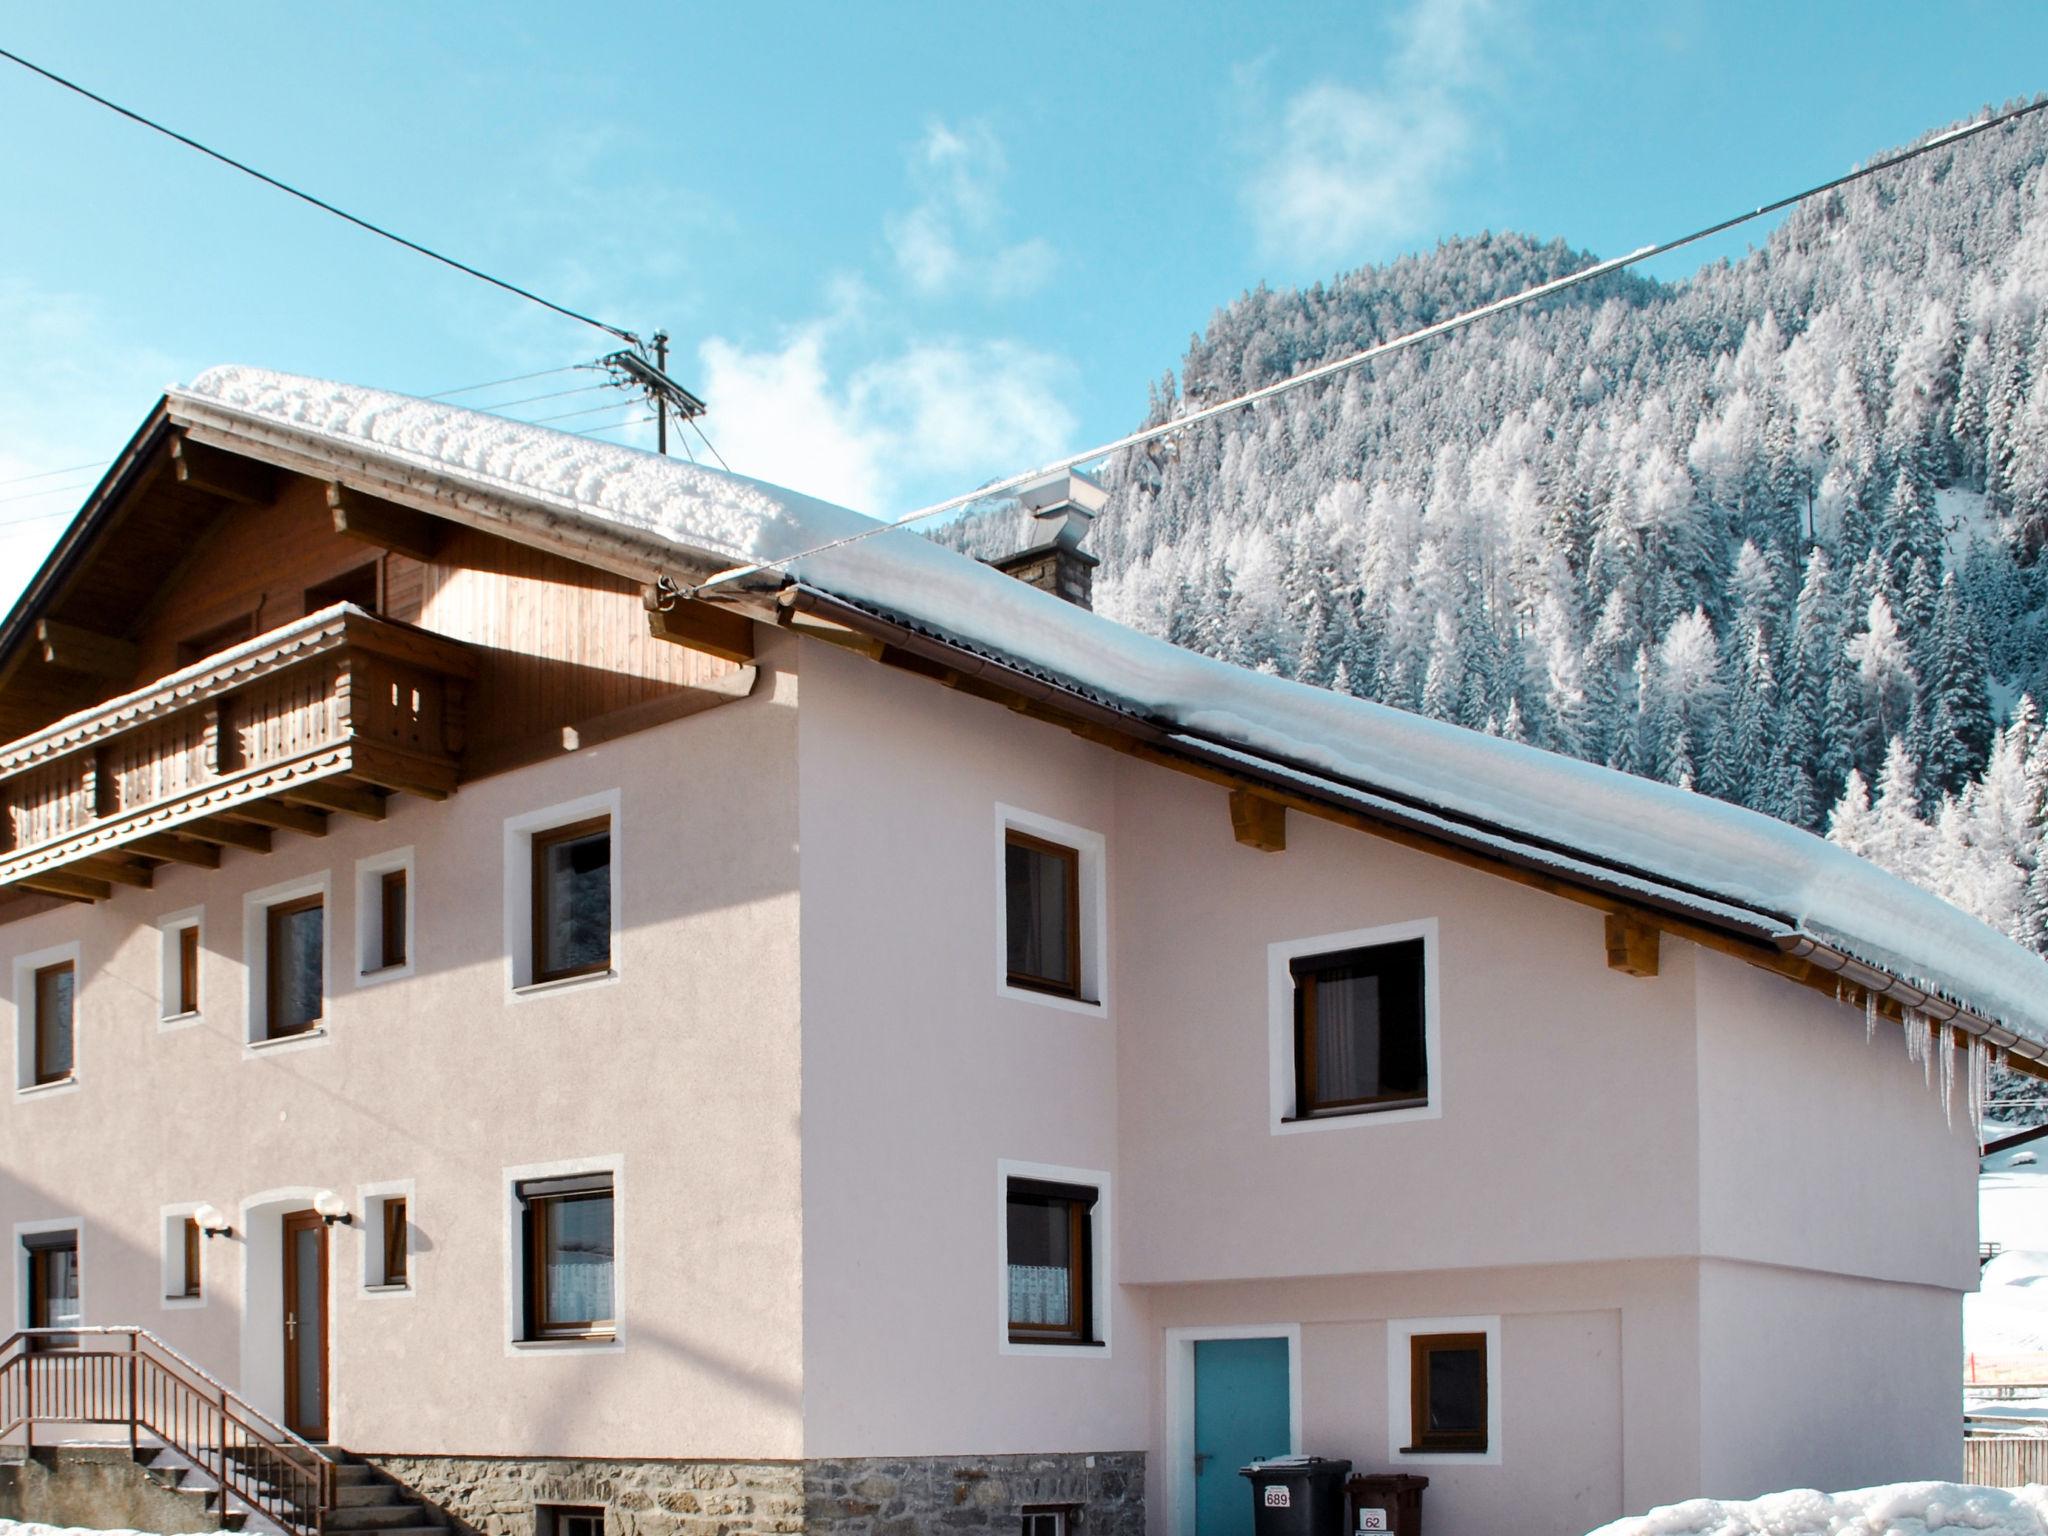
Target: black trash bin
1297, 1496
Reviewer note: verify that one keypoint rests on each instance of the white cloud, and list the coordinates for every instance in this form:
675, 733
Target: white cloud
1356, 169
936, 413
953, 239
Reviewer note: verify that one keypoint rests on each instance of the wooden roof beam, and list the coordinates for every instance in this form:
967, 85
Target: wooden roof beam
716, 631
279, 817
330, 796
385, 523
1258, 822
226, 475
115, 870
76, 649
175, 849
1631, 945
72, 887
229, 834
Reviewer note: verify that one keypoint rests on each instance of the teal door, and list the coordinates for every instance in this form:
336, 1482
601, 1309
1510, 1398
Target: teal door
1240, 1416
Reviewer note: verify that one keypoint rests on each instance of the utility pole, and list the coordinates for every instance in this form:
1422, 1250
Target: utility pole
660, 398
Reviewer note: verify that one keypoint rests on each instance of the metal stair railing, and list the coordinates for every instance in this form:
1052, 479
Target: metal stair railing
127, 1377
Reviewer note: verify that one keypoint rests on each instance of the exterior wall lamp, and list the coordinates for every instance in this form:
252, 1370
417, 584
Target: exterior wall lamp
332, 1208
213, 1222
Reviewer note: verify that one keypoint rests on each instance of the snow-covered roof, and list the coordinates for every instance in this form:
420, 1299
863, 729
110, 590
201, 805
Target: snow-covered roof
1699, 848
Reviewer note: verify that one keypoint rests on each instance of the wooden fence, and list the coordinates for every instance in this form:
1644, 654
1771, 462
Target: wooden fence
2005, 1461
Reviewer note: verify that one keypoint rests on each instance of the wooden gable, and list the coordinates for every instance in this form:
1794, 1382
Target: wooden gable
181, 673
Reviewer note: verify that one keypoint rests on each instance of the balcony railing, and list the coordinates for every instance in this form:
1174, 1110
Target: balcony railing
321, 714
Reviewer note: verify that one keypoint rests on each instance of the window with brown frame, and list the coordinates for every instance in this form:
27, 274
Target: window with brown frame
1050, 1257
52, 1263
56, 1022
209, 642
572, 900
570, 1257
294, 966
185, 998
568, 1520
188, 1233
358, 586
1447, 1392
391, 918
1359, 1030
394, 1241
1042, 914
1051, 1519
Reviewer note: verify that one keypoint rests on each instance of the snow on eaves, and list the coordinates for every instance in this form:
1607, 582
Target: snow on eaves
1650, 831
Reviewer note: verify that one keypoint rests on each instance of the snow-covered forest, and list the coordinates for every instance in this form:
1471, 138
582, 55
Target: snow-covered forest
1769, 532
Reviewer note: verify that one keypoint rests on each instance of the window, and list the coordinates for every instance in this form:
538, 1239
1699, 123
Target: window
391, 917
358, 586
572, 900
1042, 914
55, 1022
52, 1265
188, 1245
295, 944
209, 642
186, 998
1050, 1260
1447, 1392
569, 1257
1359, 1030
395, 1243
1051, 1519
567, 1520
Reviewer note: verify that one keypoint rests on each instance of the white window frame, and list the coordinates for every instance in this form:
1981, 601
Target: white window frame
256, 961
1180, 1405
520, 986
1280, 1027
1399, 1404
1100, 1234
515, 1256
370, 1200
168, 927
24, 1229
1093, 918
370, 872
25, 968
171, 1223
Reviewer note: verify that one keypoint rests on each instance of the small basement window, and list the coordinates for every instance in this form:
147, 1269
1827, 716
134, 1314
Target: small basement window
572, 900
1360, 1030
1051, 1519
570, 1257
1447, 1392
1050, 1257
56, 999
1042, 914
567, 1520
295, 950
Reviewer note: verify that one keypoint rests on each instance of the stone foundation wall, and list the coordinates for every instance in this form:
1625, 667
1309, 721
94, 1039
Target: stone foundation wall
882, 1496
877, 1496
495, 1496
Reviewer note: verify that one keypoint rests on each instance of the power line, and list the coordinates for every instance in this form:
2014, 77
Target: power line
326, 207
711, 445
517, 378
52, 490
44, 474
1357, 359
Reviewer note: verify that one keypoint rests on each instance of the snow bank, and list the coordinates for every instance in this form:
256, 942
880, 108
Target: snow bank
33, 1528
1899, 1509
1686, 840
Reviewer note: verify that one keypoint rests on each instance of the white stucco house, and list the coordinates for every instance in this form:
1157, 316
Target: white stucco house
872, 1046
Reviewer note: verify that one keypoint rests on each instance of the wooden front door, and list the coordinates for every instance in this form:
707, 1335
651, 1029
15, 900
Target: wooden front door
305, 1325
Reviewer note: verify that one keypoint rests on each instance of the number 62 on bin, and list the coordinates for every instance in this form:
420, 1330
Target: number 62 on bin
1373, 1520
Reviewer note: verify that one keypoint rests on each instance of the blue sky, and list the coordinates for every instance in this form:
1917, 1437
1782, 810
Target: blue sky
901, 249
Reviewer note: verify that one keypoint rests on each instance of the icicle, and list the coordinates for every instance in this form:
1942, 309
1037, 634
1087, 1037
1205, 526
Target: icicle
1917, 1022
1978, 1075
1950, 1042
1869, 1015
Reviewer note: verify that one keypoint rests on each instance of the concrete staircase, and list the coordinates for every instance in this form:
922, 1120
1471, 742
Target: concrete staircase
370, 1502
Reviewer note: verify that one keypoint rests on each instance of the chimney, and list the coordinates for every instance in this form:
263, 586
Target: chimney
1061, 505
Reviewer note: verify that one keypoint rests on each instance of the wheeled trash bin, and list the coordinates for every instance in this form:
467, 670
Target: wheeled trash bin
1385, 1501
1297, 1496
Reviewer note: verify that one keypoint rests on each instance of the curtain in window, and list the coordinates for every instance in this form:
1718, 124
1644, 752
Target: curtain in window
579, 1261
1347, 1038
1041, 1294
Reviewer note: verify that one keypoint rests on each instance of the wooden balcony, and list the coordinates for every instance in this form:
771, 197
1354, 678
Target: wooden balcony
326, 714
